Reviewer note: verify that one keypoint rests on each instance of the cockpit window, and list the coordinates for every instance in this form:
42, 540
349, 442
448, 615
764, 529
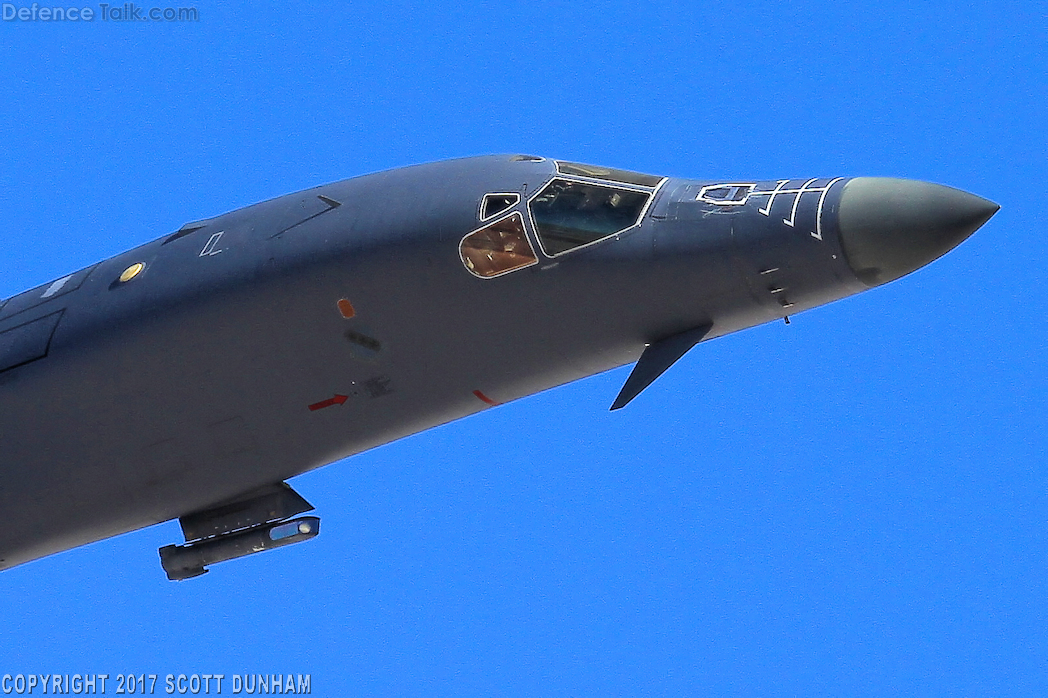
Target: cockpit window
570, 214
494, 204
578, 169
497, 248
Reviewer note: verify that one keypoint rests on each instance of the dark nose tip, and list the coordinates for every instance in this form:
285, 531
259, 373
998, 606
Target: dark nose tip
890, 227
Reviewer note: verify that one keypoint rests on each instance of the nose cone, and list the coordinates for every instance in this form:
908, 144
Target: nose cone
890, 227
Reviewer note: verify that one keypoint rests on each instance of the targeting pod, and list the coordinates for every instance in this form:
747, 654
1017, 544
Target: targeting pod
191, 560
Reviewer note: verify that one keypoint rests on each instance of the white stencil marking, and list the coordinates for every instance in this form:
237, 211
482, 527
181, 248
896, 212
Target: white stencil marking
209, 249
56, 286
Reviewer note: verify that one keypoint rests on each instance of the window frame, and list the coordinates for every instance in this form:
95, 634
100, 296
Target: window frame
484, 200
491, 223
652, 193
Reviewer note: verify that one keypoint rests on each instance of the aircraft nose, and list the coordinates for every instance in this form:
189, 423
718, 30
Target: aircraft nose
890, 227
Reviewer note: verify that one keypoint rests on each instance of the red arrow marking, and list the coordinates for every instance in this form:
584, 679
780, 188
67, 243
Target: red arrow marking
337, 400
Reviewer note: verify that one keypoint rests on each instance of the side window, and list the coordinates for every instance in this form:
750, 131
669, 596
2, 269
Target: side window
494, 204
570, 214
497, 248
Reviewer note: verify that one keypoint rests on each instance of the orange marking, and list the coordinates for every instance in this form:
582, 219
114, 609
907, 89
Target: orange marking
346, 308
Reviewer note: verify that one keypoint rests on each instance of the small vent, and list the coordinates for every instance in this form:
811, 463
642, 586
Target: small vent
187, 229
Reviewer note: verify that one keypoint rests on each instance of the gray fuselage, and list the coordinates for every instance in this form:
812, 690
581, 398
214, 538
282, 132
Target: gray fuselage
263, 343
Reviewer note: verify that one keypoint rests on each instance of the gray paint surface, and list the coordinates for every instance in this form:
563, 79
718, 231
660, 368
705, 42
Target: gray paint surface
203, 377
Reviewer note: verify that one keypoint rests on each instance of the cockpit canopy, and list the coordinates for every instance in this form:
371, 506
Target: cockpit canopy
583, 204
570, 214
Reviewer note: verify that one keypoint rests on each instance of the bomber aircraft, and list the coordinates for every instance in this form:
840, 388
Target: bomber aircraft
191, 377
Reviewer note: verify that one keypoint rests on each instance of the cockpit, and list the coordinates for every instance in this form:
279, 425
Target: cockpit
582, 205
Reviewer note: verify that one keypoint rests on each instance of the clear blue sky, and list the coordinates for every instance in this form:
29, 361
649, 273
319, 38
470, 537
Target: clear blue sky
853, 505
